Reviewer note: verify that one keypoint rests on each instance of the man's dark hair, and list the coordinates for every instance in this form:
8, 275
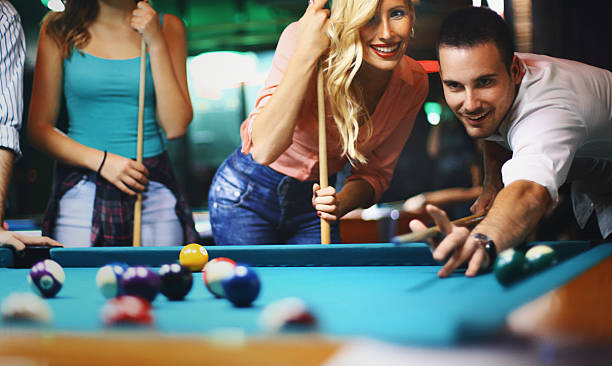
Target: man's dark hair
474, 26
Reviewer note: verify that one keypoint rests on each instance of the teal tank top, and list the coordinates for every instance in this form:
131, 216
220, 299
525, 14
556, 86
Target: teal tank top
102, 102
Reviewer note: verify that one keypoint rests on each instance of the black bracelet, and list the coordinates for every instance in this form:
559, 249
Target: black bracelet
489, 247
102, 163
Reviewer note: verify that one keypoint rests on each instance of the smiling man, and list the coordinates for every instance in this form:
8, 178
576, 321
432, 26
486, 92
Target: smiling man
546, 121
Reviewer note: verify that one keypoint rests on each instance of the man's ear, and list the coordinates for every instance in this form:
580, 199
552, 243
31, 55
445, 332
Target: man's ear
516, 70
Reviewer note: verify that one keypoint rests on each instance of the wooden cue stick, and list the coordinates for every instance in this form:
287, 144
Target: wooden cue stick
435, 230
136, 239
323, 178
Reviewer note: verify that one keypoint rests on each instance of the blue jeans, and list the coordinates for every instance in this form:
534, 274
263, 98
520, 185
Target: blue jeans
251, 203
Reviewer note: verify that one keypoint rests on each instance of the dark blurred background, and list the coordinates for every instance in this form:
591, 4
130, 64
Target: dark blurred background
230, 45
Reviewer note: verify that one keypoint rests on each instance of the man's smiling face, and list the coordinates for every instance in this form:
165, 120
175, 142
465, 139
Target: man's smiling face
477, 86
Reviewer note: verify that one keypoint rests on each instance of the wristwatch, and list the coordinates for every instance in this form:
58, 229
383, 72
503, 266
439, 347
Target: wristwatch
489, 247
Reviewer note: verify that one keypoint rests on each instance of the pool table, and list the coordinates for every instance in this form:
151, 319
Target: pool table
379, 291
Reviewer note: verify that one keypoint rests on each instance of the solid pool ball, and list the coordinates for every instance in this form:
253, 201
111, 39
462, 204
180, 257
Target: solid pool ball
215, 272
242, 287
140, 281
25, 307
540, 257
127, 309
109, 277
176, 281
194, 257
510, 266
46, 278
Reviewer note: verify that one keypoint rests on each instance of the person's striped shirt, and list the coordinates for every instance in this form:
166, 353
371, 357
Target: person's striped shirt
12, 57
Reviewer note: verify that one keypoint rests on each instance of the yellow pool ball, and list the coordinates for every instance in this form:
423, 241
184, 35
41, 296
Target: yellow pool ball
194, 257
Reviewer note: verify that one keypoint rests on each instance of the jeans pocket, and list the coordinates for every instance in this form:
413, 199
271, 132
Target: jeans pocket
228, 189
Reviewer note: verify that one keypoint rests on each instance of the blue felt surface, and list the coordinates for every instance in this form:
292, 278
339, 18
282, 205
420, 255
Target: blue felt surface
403, 304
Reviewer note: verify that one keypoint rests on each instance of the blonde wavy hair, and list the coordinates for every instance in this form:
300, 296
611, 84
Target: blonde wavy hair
340, 68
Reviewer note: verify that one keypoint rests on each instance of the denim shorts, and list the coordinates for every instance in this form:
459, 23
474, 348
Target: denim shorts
250, 203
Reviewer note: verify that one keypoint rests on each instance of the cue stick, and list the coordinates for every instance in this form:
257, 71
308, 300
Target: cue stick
323, 179
136, 239
435, 230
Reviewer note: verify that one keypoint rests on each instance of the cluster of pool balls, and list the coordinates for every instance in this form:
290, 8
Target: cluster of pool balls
512, 265
130, 290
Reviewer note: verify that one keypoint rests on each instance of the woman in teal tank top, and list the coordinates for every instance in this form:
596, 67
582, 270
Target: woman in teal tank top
91, 52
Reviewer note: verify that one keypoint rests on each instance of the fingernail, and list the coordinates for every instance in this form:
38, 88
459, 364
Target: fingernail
318, 213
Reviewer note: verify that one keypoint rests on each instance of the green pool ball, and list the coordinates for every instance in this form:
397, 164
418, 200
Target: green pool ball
540, 257
510, 266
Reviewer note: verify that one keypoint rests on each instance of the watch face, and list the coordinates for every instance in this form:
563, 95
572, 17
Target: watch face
490, 247
491, 252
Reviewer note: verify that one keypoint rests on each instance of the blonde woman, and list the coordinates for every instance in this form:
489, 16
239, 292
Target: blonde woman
91, 54
266, 192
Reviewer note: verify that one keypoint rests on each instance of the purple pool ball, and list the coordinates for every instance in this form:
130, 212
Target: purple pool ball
46, 278
140, 281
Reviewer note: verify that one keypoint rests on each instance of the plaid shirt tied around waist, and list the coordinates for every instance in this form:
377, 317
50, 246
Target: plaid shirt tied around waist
113, 213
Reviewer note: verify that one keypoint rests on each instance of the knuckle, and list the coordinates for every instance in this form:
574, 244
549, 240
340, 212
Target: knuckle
462, 230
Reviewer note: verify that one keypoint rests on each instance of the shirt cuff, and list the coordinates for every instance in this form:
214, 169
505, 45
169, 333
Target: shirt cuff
537, 172
9, 139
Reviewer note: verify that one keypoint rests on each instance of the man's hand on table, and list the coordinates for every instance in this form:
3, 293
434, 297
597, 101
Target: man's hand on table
457, 246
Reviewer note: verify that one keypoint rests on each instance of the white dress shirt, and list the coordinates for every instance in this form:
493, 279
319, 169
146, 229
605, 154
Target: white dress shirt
562, 114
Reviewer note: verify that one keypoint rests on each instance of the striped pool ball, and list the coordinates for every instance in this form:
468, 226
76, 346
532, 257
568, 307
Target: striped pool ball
109, 277
287, 314
541, 257
215, 272
46, 278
